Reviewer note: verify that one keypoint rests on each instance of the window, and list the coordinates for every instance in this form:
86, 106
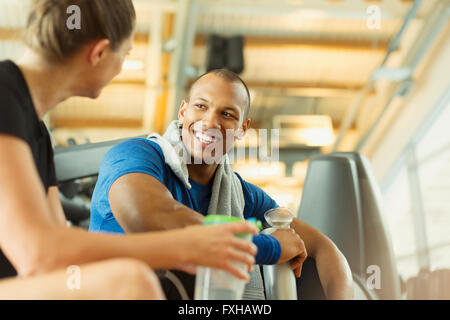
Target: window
417, 202
433, 155
398, 216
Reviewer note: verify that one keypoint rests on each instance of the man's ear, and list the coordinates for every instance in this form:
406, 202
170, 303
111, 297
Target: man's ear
181, 112
98, 51
243, 129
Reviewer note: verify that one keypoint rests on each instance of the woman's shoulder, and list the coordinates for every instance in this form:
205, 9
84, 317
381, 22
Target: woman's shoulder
14, 118
12, 87
10, 75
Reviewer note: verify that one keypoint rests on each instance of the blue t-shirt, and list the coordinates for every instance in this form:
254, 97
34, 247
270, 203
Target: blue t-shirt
144, 156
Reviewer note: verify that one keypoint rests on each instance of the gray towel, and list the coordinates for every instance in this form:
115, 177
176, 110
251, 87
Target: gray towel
227, 197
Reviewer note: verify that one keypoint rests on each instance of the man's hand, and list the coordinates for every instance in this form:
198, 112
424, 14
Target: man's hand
292, 249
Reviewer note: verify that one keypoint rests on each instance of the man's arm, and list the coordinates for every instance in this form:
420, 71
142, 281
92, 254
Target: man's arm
140, 203
132, 198
334, 272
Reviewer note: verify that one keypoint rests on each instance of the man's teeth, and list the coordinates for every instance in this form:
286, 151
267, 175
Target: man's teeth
204, 138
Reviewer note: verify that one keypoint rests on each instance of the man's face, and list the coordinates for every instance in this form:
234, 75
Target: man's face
212, 118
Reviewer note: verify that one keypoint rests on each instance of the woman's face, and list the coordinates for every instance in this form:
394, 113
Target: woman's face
108, 65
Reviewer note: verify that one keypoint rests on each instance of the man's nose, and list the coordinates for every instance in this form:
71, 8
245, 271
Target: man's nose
211, 120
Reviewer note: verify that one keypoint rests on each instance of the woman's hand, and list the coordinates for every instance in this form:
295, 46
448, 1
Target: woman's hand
218, 246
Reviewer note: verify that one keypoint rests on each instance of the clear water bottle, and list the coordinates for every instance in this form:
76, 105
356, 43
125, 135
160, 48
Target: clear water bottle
216, 284
279, 279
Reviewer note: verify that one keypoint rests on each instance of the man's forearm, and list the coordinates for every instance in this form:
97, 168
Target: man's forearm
334, 272
141, 203
167, 216
172, 216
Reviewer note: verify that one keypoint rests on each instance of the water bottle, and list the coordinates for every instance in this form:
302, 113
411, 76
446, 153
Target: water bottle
279, 279
216, 284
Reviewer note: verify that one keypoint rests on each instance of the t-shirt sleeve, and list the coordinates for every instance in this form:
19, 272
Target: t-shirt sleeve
131, 156
269, 249
12, 119
257, 202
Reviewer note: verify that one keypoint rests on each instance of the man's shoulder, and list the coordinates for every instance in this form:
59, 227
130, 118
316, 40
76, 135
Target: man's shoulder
249, 189
134, 152
252, 192
246, 186
135, 146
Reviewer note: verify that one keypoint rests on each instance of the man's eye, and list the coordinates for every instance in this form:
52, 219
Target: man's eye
228, 115
200, 106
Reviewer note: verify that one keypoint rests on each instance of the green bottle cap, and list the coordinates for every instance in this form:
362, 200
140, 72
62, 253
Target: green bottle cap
220, 219
214, 219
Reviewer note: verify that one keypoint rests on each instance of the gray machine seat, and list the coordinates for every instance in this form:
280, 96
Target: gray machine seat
341, 199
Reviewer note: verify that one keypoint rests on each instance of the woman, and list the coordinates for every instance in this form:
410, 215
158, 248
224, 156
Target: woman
60, 63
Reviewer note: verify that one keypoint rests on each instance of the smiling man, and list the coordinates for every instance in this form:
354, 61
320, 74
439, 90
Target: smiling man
173, 181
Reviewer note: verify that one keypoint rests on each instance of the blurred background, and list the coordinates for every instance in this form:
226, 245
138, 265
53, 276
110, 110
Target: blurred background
332, 75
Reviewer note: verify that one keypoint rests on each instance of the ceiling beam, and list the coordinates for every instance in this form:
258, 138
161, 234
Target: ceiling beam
257, 84
302, 85
263, 42
87, 122
251, 41
323, 92
288, 88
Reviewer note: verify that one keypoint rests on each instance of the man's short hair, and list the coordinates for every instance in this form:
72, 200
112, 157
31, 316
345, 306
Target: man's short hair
231, 77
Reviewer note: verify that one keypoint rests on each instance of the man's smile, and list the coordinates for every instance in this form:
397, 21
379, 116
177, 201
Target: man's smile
205, 139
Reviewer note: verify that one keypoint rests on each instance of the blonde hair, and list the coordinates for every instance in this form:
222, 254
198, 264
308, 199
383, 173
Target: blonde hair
47, 32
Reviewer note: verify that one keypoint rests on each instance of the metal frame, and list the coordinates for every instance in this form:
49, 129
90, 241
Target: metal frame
185, 26
153, 73
356, 105
430, 31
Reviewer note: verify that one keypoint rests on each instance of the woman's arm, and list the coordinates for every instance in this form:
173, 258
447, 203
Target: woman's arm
55, 206
35, 243
215, 246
